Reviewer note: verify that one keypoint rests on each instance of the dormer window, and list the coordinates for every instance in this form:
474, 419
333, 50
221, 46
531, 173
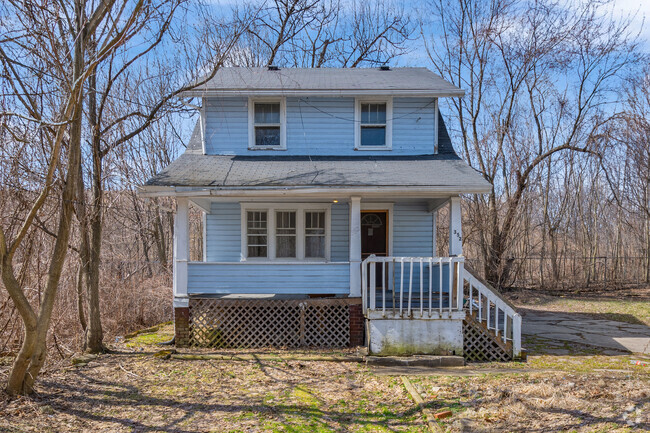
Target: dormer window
373, 120
266, 121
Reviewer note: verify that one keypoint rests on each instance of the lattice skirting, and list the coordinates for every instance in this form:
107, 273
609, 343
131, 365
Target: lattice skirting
248, 323
481, 345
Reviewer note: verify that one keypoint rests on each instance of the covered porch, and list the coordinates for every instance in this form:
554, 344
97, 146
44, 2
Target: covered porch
306, 259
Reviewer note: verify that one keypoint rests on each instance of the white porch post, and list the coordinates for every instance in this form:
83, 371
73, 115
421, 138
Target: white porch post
455, 229
181, 252
355, 246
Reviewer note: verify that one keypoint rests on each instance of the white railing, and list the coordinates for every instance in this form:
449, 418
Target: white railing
409, 288
494, 311
400, 295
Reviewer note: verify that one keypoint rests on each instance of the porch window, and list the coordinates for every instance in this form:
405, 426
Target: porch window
315, 234
257, 233
266, 124
285, 234
289, 232
373, 125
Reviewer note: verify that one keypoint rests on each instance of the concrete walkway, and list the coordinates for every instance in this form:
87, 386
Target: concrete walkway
585, 329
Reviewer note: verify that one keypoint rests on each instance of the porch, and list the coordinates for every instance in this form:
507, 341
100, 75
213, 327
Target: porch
284, 252
329, 272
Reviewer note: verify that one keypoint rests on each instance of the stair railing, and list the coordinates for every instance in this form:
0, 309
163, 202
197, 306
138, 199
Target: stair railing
493, 310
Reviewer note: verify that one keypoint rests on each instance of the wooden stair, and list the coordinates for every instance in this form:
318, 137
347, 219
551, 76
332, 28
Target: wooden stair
488, 316
482, 344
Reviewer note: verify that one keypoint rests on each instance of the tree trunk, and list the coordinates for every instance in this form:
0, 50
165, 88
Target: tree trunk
94, 335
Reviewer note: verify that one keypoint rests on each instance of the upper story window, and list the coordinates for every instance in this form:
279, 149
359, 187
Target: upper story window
373, 120
266, 124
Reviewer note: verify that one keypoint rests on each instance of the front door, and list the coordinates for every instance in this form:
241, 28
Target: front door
374, 236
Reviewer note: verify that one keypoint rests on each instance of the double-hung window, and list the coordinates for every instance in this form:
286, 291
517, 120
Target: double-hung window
285, 234
373, 125
315, 234
266, 119
282, 232
257, 233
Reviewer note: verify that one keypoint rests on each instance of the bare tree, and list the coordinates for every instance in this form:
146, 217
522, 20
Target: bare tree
317, 33
635, 134
50, 40
539, 80
129, 91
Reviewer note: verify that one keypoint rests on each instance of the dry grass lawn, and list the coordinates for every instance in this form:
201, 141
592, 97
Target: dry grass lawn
631, 305
132, 390
562, 388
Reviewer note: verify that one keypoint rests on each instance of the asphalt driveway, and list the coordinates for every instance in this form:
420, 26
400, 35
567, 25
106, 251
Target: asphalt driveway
587, 329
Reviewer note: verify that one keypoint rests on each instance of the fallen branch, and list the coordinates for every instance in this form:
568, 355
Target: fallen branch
426, 412
129, 372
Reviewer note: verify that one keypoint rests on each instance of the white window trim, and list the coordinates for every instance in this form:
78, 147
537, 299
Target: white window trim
389, 123
300, 209
251, 123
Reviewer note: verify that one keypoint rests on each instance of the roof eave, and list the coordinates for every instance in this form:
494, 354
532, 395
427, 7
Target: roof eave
311, 190
445, 93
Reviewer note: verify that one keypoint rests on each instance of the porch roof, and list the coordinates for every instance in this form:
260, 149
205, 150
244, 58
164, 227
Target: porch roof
444, 172
207, 171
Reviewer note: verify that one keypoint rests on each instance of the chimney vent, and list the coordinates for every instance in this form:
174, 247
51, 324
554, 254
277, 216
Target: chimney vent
384, 68
273, 68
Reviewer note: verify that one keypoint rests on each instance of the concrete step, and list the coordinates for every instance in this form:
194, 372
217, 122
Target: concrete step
416, 361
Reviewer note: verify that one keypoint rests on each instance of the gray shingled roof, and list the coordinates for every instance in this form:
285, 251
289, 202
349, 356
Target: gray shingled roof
445, 170
329, 81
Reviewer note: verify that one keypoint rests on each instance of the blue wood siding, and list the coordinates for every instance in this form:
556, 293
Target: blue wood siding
435, 273
412, 230
276, 278
319, 126
412, 233
226, 126
413, 126
223, 228
340, 232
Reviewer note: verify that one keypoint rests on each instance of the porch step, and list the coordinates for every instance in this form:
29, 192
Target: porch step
416, 361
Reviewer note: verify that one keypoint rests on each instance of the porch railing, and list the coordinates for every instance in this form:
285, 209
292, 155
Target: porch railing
412, 286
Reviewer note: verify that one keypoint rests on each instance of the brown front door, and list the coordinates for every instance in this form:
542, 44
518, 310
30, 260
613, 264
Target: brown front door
374, 236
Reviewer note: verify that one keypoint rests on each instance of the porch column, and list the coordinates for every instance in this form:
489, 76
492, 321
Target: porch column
455, 229
181, 252
355, 246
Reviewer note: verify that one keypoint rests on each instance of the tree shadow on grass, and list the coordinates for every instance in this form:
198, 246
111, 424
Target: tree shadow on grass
92, 399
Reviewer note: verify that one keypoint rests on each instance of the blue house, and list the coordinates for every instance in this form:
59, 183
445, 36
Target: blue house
320, 191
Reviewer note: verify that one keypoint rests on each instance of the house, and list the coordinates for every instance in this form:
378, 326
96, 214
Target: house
320, 191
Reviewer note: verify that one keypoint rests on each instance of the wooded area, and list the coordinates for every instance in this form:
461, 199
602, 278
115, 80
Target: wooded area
556, 116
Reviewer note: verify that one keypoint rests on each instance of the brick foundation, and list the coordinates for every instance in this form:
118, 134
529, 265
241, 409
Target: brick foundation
356, 325
182, 326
